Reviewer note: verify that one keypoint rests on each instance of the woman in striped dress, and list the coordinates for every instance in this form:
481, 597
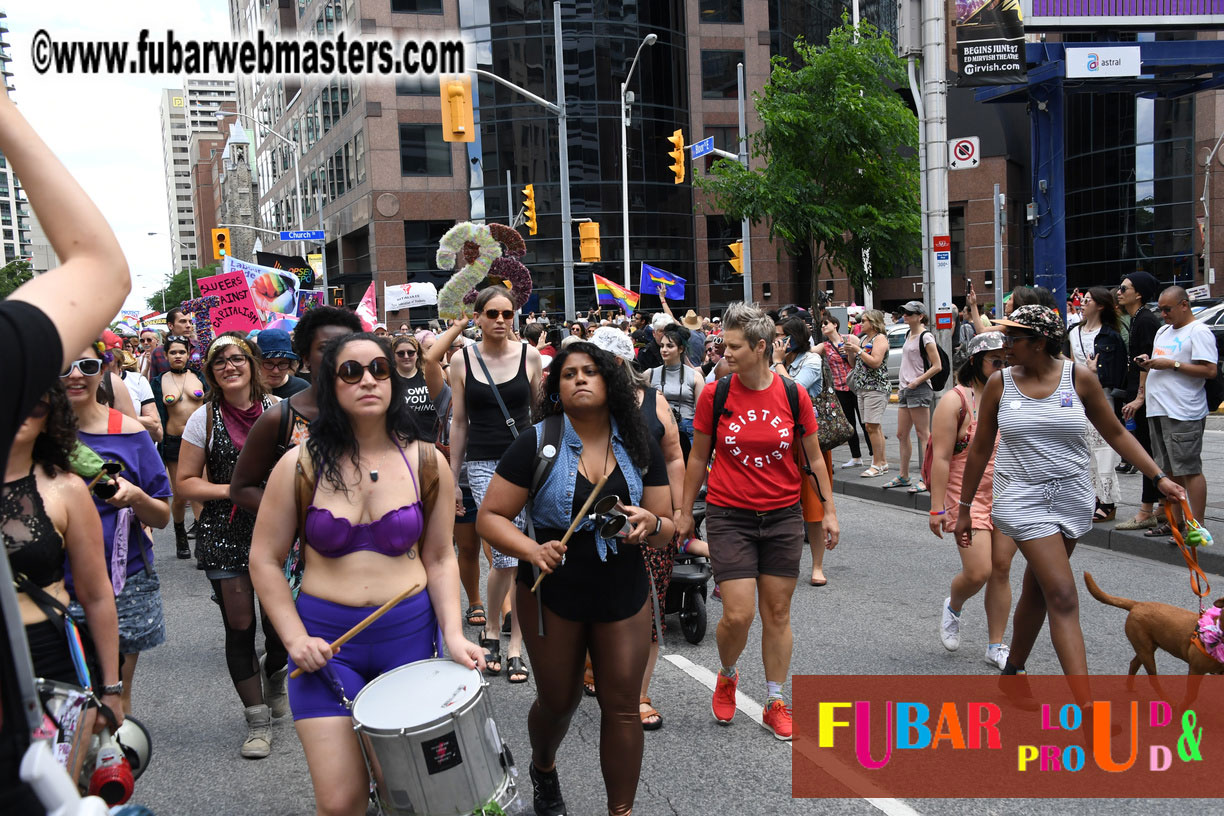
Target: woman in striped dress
1041, 408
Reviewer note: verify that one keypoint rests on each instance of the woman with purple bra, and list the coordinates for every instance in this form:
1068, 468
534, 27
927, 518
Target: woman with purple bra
364, 544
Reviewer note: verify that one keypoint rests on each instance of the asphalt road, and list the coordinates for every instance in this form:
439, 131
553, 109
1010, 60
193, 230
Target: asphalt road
879, 614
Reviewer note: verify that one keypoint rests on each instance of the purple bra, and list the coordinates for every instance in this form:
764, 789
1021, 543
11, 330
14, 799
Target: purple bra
392, 535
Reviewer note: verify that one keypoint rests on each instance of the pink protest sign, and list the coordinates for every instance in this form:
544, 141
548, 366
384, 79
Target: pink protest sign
236, 311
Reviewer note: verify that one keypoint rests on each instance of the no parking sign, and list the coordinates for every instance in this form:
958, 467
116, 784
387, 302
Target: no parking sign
964, 153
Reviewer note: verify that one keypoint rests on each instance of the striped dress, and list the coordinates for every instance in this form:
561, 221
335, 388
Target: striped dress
1042, 483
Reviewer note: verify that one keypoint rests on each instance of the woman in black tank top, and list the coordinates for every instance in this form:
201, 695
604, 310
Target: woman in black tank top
482, 428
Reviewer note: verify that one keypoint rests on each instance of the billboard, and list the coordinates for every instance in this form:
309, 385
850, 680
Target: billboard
1142, 14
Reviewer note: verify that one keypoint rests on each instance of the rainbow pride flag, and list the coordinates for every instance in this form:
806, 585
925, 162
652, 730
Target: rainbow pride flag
612, 294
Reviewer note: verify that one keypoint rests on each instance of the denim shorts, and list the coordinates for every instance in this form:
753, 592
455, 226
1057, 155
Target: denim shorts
139, 605
920, 396
480, 474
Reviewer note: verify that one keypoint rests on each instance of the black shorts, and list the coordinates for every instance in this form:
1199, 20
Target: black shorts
747, 543
170, 447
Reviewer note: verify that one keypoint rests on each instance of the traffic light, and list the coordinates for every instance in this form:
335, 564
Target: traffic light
529, 208
588, 232
737, 263
458, 122
677, 154
336, 295
221, 243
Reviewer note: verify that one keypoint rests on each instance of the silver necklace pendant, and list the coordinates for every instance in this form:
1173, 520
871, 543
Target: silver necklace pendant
373, 475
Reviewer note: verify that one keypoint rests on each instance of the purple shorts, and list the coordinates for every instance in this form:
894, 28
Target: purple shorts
406, 634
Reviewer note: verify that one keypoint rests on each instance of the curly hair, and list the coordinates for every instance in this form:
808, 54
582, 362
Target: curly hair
54, 445
317, 318
331, 433
622, 397
251, 352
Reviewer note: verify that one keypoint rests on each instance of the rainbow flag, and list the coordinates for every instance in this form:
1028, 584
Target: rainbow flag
612, 294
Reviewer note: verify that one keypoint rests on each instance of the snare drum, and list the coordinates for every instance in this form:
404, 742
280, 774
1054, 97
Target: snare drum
428, 736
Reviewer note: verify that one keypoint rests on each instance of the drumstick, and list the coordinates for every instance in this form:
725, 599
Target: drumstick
373, 616
603, 480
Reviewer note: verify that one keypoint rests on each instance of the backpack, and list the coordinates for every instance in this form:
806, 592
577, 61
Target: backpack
941, 379
1215, 390
723, 389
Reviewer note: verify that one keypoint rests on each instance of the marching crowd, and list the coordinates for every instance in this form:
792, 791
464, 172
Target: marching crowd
331, 470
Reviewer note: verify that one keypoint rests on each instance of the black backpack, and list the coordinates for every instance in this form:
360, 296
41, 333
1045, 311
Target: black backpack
941, 379
1215, 390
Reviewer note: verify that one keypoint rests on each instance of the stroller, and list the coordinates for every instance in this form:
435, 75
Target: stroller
686, 596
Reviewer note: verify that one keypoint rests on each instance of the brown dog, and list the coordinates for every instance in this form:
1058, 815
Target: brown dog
1152, 625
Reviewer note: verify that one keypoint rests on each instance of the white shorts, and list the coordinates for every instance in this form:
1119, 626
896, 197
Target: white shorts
1031, 510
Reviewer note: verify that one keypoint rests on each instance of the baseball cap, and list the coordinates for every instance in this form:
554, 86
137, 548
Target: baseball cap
915, 307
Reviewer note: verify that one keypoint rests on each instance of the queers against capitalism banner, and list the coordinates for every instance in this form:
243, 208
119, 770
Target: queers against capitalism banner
1026, 737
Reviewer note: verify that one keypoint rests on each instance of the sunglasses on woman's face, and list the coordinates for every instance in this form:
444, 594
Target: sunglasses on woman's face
276, 364
88, 366
352, 372
506, 314
406, 353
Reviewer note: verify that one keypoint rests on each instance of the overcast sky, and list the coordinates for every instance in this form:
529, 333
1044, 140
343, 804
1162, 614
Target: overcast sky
106, 129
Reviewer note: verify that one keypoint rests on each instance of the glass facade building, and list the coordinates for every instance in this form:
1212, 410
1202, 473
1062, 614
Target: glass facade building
515, 41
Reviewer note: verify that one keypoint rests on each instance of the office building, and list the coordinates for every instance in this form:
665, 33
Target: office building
14, 211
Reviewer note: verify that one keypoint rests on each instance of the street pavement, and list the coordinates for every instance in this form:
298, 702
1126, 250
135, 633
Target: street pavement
879, 614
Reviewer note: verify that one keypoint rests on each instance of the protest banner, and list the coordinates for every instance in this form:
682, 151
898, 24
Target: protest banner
272, 289
236, 311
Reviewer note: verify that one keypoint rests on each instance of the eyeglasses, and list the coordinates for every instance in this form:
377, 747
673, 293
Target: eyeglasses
88, 366
1124, 288
278, 364
236, 360
352, 372
1010, 339
147, 340
40, 410
506, 314
996, 363
406, 353
575, 330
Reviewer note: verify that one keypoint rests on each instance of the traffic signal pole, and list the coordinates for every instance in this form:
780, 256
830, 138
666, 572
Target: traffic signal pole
558, 108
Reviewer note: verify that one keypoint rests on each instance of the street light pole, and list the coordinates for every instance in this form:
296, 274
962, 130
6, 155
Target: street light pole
1206, 199
626, 101
297, 172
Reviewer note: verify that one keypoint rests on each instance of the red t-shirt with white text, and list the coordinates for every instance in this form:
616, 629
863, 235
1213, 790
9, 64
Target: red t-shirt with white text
754, 463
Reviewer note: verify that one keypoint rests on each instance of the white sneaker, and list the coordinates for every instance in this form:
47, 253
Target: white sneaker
853, 463
996, 654
949, 628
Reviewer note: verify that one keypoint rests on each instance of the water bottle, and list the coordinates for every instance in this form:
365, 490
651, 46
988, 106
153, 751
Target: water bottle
1131, 425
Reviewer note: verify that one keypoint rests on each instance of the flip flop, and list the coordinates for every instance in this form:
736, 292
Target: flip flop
475, 615
898, 481
515, 667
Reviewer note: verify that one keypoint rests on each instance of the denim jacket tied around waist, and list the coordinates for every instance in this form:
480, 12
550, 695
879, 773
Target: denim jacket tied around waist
553, 504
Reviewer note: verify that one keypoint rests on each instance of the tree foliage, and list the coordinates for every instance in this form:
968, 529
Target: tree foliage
177, 288
838, 149
12, 275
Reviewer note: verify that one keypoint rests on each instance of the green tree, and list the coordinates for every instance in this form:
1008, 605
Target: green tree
177, 289
12, 275
839, 167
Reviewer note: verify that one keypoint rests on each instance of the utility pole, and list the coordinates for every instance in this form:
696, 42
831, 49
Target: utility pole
938, 293
999, 205
567, 224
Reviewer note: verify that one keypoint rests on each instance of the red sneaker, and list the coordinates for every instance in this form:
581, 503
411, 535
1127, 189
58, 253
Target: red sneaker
777, 718
724, 698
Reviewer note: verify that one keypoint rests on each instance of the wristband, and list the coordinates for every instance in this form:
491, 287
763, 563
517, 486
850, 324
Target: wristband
1160, 474
938, 512
117, 688
965, 504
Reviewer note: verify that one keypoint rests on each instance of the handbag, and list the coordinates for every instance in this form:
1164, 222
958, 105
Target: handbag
832, 427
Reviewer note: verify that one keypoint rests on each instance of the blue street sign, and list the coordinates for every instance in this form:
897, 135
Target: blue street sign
703, 147
301, 235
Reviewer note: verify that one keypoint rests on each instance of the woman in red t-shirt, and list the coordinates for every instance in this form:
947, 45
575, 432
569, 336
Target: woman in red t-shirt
754, 523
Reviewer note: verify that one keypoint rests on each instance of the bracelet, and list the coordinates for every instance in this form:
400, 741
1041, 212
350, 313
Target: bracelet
117, 688
938, 512
1160, 474
658, 525
965, 504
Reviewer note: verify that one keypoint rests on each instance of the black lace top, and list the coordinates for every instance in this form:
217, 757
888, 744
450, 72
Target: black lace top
35, 548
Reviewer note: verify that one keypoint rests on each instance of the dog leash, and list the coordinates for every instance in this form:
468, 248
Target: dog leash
1195, 536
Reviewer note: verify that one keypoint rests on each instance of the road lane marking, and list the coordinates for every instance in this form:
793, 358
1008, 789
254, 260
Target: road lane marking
753, 710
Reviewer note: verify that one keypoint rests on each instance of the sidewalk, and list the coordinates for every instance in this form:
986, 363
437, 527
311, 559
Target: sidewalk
1102, 535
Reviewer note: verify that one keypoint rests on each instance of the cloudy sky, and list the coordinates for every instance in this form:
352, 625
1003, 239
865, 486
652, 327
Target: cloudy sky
106, 129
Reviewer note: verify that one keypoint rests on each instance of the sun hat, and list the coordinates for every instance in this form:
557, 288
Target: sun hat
691, 320
614, 341
1040, 319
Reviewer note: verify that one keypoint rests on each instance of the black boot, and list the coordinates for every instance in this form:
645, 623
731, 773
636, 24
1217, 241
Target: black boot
546, 792
191, 531
181, 548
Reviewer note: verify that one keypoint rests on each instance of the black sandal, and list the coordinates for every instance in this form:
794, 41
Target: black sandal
492, 647
1104, 512
475, 615
515, 667
1161, 530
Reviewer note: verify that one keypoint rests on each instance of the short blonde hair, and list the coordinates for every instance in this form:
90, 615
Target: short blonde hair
750, 320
